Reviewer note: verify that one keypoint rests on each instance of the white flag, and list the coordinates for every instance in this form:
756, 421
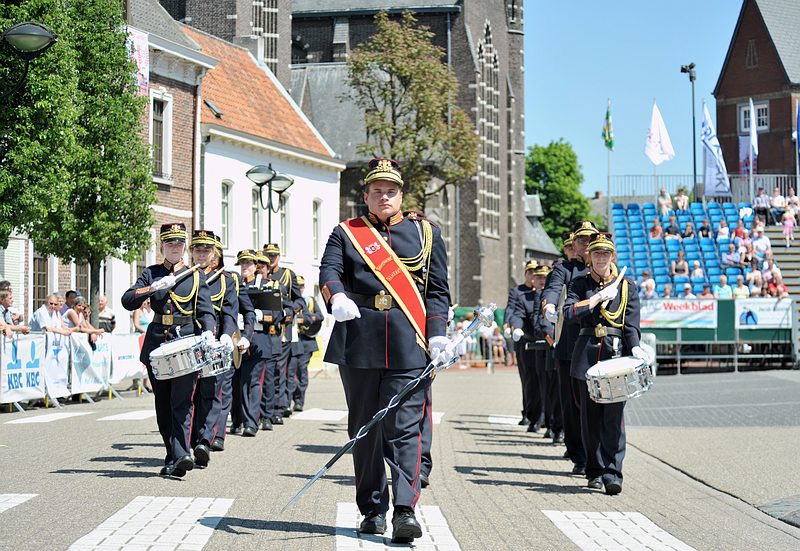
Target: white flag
753, 131
658, 146
716, 175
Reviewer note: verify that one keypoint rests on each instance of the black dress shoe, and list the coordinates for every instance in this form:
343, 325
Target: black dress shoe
613, 487
558, 438
218, 445
424, 481
202, 455
405, 526
524, 421
373, 524
287, 412
277, 420
235, 429
533, 427
595, 483
298, 407
548, 433
579, 469
566, 455
250, 432
179, 468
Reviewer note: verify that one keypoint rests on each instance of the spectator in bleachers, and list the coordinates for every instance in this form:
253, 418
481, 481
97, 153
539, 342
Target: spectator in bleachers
75, 319
647, 279
687, 291
778, 205
770, 270
747, 257
47, 317
722, 289
682, 200
741, 290
664, 202
723, 232
673, 231
731, 258
667, 291
648, 292
788, 227
688, 232
10, 325
761, 244
777, 288
106, 319
706, 292
142, 317
706, 230
697, 270
740, 232
679, 266
761, 203
69, 301
793, 203
754, 280
656, 230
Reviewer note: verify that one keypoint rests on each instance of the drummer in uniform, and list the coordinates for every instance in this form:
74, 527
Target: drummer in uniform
607, 309
308, 325
543, 341
181, 308
556, 287
384, 279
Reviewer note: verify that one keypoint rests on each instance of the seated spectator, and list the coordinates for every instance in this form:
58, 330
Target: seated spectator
770, 270
763, 292
741, 290
69, 301
740, 232
706, 230
754, 279
723, 232
75, 319
679, 266
664, 202
673, 231
761, 204
706, 292
687, 291
793, 203
106, 319
142, 317
656, 231
47, 317
697, 270
10, 325
648, 290
746, 258
777, 205
761, 244
667, 291
731, 258
646, 279
681, 200
777, 288
722, 289
688, 232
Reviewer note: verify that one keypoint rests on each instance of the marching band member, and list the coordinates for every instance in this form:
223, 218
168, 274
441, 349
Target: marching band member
384, 279
182, 308
608, 313
514, 294
543, 340
308, 325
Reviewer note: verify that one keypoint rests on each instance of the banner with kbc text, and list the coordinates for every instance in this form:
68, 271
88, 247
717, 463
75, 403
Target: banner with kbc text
674, 313
21, 361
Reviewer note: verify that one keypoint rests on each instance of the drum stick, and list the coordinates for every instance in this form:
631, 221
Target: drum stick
616, 282
214, 276
181, 275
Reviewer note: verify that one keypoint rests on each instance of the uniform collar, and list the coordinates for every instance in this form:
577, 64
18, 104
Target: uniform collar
392, 221
612, 274
172, 267
250, 278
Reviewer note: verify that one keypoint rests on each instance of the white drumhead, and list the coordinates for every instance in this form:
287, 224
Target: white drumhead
617, 366
177, 345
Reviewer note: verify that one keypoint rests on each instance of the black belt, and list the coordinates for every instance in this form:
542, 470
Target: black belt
380, 302
537, 345
169, 319
597, 331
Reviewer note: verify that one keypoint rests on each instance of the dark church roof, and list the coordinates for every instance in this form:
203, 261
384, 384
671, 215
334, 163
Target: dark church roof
360, 7
535, 238
151, 17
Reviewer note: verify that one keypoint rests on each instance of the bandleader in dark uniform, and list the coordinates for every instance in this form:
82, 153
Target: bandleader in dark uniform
384, 279
608, 313
182, 308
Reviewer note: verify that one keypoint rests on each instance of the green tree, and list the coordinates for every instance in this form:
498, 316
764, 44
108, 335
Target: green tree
407, 95
107, 211
553, 172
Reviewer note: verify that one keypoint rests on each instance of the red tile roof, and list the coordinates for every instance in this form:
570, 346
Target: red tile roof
249, 99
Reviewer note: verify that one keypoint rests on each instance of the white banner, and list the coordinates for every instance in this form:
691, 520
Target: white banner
138, 42
658, 146
763, 313
21, 360
56, 366
673, 313
716, 174
90, 368
125, 362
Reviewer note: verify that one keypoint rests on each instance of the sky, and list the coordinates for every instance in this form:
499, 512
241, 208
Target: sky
580, 53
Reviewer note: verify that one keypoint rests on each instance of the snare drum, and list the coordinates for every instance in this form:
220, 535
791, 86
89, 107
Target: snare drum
178, 357
618, 379
219, 359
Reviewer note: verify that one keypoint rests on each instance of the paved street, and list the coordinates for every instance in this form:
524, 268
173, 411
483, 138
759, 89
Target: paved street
704, 452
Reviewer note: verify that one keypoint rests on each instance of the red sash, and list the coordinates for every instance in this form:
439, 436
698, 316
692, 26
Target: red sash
389, 270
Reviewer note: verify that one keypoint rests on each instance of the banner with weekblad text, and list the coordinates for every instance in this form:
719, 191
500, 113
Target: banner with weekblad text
674, 313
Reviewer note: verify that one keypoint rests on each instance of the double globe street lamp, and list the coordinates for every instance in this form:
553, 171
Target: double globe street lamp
28, 41
265, 176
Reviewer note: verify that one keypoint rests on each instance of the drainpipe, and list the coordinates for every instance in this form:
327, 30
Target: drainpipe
457, 233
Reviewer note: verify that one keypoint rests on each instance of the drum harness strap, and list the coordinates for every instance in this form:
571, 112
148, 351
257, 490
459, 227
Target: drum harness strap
618, 314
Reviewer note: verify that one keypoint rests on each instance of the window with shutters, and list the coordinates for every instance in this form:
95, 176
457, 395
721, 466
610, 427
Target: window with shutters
225, 211
255, 210
82, 279
762, 117
161, 135
489, 133
40, 273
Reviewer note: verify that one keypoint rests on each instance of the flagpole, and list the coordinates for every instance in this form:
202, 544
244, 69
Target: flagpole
797, 145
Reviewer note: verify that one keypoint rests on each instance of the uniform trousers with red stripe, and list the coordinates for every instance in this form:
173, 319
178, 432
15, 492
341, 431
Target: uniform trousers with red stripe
396, 441
174, 409
205, 416
223, 401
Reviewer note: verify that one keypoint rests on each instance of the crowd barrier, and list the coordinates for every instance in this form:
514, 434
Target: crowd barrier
47, 365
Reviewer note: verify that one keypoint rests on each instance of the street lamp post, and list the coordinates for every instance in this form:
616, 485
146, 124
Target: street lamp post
692, 77
262, 176
28, 41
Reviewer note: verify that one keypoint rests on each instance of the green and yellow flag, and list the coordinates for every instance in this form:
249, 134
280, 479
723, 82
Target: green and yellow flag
608, 132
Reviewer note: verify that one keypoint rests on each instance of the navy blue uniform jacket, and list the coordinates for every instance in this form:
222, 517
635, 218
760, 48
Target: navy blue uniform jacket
563, 274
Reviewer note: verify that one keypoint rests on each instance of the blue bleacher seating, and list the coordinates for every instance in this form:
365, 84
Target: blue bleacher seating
637, 240
622, 246
712, 271
655, 242
672, 244
680, 280
661, 279
714, 280
697, 288
733, 272
659, 263
617, 206
723, 243
698, 280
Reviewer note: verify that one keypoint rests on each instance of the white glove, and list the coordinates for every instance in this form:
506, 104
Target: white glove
344, 309
517, 334
439, 349
550, 313
244, 344
639, 353
166, 282
226, 340
507, 332
608, 293
450, 314
259, 314
207, 336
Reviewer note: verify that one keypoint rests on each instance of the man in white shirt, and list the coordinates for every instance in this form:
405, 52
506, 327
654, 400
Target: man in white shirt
778, 204
48, 318
687, 291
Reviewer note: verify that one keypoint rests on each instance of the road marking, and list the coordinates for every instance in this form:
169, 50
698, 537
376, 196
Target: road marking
47, 418
436, 534
137, 415
437, 417
152, 522
317, 414
7, 501
503, 420
598, 531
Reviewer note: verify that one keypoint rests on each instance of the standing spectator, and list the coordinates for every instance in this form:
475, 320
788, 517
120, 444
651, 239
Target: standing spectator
687, 291
731, 258
61, 302
723, 290
10, 324
788, 227
761, 203
679, 266
682, 200
706, 230
741, 290
498, 346
656, 231
673, 231
667, 291
688, 232
777, 288
697, 270
47, 317
706, 292
75, 319
723, 232
142, 317
778, 204
740, 232
69, 301
106, 319
664, 202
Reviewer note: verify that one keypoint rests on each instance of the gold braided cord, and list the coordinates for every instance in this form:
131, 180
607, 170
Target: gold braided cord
219, 296
612, 317
176, 299
418, 261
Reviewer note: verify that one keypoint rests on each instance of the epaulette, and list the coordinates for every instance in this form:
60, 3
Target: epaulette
418, 215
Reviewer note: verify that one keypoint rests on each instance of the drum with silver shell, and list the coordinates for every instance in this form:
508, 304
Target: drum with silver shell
219, 359
618, 379
178, 357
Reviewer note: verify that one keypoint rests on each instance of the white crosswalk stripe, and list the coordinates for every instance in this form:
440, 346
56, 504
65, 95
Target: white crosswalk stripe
150, 523
598, 531
7, 501
47, 418
137, 415
502, 420
436, 534
317, 414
